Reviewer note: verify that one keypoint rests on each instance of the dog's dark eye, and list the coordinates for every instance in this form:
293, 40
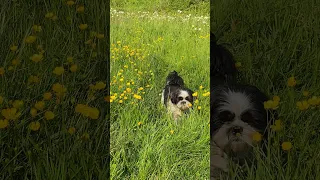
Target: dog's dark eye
247, 117
180, 98
226, 116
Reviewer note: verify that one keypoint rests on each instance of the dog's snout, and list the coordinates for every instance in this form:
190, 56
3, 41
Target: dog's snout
237, 129
183, 102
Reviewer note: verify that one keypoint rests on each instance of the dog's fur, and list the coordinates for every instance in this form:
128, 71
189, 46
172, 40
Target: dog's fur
175, 96
236, 113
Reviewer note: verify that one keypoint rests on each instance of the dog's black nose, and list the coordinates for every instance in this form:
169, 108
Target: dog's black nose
183, 102
237, 129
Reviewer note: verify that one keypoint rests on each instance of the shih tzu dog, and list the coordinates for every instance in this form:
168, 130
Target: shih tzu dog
175, 96
236, 113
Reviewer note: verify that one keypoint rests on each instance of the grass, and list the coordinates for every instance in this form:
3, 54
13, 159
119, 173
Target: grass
275, 40
145, 141
33, 145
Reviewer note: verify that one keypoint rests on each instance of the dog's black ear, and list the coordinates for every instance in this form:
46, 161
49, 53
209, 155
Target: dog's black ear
174, 98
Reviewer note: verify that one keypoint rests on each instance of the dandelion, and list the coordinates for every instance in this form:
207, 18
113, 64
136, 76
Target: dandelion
277, 125
85, 136
34, 126
190, 105
139, 123
2, 71
80, 9
69, 59
47, 96
36, 57
100, 36
172, 131
49, 115
276, 98
49, 15
10, 113
199, 107
286, 146
195, 94
71, 130
99, 85
4, 123
33, 112
291, 82
14, 48
120, 101
305, 93
70, 3
39, 105
15, 62
302, 105
313, 101
137, 96
271, 104
17, 104
196, 101
59, 89
36, 28
58, 70
206, 94
74, 68
83, 26
200, 87
140, 88
30, 39
257, 137
33, 79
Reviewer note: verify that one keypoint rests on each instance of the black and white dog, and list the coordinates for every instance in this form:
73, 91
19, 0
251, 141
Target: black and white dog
236, 113
175, 96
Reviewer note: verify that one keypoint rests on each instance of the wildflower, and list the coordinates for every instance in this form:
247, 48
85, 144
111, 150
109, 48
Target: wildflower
34, 126
271, 104
47, 96
87, 111
200, 87
277, 125
139, 123
14, 48
120, 101
140, 88
33, 79
70, 3
69, 59
33, 112
71, 130
195, 94
313, 101
36, 57
36, 28
17, 104
49, 115
85, 136
206, 94
80, 9
2, 71
15, 62
128, 90
196, 101
10, 113
286, 146
100, 36
59, 88
291, 82
58, 70
257, 137
199, 107
30, 39
302, 105
276, 98
74, 68
137, 96
148, 86
190, 105
49, 15
83, 26
4, 123
172, 131
305, 93
99, 85
39, 105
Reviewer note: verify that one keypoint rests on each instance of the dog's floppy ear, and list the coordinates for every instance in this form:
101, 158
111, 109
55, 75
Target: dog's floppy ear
174, 97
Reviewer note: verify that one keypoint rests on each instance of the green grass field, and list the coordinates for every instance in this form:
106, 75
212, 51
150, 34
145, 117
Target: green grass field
50, 64
273, 41
145, 47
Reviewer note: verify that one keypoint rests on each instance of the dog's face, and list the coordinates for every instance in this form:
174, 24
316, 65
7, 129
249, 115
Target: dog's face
237, 113
182, 98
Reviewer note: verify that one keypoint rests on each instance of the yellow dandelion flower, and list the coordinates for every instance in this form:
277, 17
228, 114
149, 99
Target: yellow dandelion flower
190, 105
140, 88
276, 98
70, 3
172, 131
302, 105
313, 101
10, 68
36, 28
49, 15
4, 123
36, 57
30, 39
80, 9
99, 85
85, 136
47, 96
15, 62
83, 26
14, 48
49, 115
195, 94
291, 82
148, 86
69, 59
10, 113
71, 130
17, 104
2, 71
59, 88
257, 137
74, 68
196, 101
33, 79
34, 126
305, 93
199, 107
100, 36
58, 70
200, 87
136, 96
120, 101
206, 94
139, 123
277, 125
33, 112
286, 146
39, 105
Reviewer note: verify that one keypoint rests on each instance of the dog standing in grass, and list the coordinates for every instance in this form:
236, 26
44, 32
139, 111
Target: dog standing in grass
175, 96
236, 114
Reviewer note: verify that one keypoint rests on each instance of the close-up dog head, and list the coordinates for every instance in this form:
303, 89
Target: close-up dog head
182, 98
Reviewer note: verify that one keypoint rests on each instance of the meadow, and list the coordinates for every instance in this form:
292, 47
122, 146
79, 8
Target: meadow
147, 44
53, 59
276, 46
